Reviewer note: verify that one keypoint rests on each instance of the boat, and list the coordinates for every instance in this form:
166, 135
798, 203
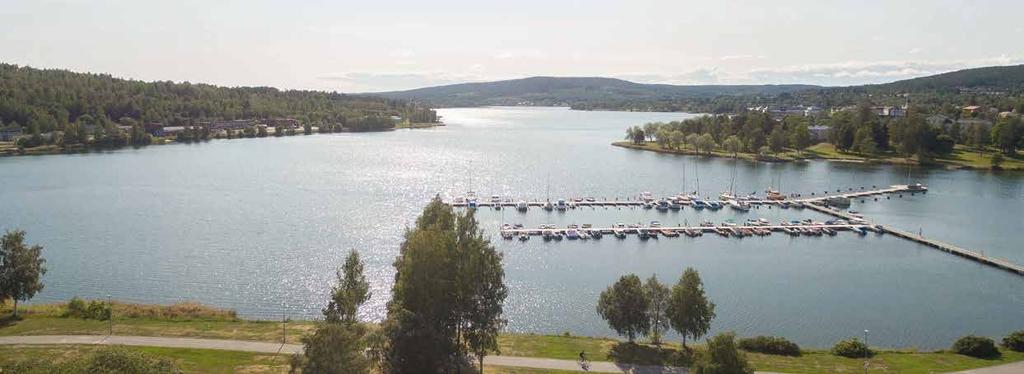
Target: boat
669, 233
798, 204
858, 230
596, 234
646, 196
560, 205
662, 206
722, 231
547, 235
584, 234
644, 235
524, 237
838, 201
572, 234
714, 205
495, 199
917, 187
619, 233
699, 204
652, 233
742, 206
784, 204
548, 206
726, 196
828, 231
775, 195
655, 224
507, 235
675, 206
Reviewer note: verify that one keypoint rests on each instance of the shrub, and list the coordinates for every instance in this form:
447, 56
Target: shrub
1015, 341
770, 345
976, 346
722, 357
852, 348
76, 308
98, 310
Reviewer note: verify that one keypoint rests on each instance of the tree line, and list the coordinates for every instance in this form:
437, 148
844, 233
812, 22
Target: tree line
46, 100
749, 132
858, 131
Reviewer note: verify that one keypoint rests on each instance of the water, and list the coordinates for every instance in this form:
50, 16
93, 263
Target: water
260, 225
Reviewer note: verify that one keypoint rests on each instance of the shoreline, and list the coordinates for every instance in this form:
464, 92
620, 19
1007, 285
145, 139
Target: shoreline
812, 155
9, 149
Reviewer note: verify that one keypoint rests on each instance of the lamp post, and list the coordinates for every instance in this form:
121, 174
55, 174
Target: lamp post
110, 318
867, 352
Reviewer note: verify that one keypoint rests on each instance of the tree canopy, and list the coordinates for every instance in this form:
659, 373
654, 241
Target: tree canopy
21, 267
448, 296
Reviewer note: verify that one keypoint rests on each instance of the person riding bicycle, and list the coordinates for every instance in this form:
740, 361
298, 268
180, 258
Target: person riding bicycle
584, 364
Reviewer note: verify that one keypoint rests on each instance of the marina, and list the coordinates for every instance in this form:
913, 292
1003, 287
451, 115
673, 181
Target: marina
823, 203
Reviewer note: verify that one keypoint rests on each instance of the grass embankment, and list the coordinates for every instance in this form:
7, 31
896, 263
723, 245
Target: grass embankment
193, 320
962, 156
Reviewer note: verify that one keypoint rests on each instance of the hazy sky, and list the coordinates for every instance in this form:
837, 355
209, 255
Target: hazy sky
385, 45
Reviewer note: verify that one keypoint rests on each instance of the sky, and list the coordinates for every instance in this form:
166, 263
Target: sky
383, 45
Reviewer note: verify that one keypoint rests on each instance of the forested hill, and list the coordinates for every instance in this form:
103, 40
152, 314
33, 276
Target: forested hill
995, 78
982, 86
579, 92
50, 99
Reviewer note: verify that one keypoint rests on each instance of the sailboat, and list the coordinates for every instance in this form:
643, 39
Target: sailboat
547, 192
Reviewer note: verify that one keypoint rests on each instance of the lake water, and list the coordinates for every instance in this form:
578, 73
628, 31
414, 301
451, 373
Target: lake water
259, 225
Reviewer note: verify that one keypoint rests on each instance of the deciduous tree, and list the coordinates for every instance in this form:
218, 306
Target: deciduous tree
21, 267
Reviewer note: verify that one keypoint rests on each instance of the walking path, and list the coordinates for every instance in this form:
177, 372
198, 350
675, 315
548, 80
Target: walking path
263, 347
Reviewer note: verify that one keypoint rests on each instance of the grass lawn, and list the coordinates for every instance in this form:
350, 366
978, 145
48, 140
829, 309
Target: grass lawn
46, 320
555, 346
189, 360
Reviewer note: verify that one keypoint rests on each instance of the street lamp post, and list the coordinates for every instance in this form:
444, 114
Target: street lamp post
110, 318
867, 352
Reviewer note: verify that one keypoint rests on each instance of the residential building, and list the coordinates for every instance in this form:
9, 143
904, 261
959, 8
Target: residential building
10, 134
155, 128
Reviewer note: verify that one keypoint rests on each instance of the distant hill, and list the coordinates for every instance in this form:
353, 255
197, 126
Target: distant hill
995, 78
594, 93
579, 92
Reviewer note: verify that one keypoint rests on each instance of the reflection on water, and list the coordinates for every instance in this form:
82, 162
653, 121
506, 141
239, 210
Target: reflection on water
259, 225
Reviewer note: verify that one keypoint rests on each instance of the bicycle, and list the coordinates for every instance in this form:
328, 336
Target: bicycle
584, 363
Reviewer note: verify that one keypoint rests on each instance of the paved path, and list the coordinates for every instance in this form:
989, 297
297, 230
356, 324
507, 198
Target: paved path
263, 347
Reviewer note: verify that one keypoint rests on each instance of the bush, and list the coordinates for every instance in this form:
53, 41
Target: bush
976, 346
722, 357
76, 308
770, 345
852, 348
98, 310
1015, 341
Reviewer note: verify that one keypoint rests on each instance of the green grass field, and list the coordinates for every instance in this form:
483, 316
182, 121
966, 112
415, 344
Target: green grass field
213, 323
